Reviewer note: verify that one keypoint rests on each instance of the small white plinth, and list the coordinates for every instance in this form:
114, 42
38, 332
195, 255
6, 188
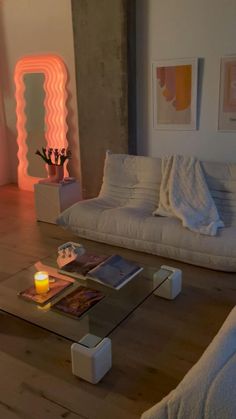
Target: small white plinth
53, 198
93, 363
172, 284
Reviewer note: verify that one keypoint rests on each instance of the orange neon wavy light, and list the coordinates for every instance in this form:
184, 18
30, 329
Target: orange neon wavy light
55, 74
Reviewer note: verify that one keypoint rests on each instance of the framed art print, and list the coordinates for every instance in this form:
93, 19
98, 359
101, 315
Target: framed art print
175, 94
227, 94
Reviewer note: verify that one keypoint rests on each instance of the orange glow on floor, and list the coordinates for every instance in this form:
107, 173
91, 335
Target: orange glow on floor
55, 74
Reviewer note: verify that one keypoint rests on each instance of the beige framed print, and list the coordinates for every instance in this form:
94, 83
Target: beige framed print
227, 94
174, 85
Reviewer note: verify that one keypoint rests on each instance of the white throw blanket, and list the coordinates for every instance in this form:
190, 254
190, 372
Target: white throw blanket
184, 194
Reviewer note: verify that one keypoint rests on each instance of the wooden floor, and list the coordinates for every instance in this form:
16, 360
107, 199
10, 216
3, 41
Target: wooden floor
152, 350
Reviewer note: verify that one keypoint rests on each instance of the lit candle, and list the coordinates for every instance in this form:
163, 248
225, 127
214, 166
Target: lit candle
41, 282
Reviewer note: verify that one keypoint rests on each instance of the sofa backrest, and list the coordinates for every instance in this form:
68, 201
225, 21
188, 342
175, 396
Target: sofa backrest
221, 180
132, 180
135, 181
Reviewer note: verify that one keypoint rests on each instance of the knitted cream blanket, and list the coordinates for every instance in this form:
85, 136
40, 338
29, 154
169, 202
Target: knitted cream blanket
184, 194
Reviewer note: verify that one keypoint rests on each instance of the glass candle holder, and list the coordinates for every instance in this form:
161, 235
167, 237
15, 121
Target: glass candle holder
41, 282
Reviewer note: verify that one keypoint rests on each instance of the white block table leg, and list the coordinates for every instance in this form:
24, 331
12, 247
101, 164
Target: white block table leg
91, 363
171, 279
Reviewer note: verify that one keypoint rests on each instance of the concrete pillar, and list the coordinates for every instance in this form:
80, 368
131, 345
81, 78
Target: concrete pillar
100, 41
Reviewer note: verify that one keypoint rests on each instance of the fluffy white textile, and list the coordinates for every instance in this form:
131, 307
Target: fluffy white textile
184, 194
208, 389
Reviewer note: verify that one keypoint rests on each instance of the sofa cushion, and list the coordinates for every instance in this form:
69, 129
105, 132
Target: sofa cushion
132, 180
85, 213
208, 389
122, 214
135, 228
221, 180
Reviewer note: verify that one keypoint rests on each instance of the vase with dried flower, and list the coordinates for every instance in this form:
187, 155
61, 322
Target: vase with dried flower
54, 159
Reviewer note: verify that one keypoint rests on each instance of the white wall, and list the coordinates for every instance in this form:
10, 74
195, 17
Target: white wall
36, 27
169, 29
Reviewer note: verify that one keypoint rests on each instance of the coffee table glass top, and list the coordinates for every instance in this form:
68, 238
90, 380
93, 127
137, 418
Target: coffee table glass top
100, 320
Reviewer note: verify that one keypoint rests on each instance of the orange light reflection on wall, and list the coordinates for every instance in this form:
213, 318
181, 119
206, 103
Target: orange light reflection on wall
55, 74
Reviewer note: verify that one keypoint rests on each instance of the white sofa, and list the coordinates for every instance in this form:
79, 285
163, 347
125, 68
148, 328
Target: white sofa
208, 390
122, 213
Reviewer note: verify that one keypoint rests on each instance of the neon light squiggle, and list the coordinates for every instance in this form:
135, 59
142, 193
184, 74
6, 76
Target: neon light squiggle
55, 74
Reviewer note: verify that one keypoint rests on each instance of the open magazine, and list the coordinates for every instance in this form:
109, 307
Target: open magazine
113, 271
79, 267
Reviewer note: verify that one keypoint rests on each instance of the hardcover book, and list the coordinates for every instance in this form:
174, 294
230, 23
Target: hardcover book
55, 287
78, 301
115, 271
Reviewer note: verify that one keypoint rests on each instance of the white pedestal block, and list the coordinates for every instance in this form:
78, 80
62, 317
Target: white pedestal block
172, 284
91, 364
51, 200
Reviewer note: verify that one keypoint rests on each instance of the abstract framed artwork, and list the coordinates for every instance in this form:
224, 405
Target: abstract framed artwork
175, 94
227, 94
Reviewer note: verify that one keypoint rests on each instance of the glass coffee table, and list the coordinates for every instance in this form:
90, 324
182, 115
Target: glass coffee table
91, 330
